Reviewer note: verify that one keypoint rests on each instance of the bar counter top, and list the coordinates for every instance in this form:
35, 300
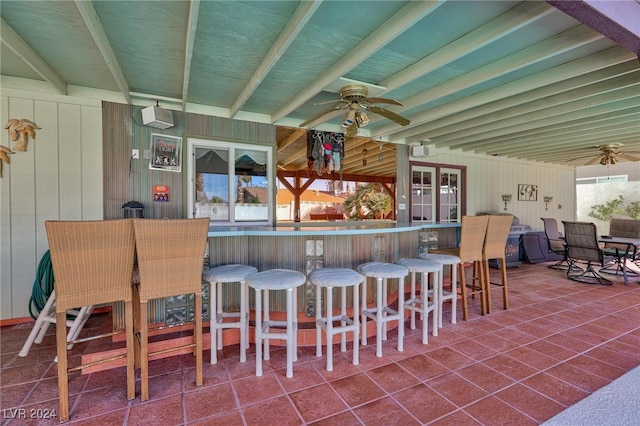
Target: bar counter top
325, 228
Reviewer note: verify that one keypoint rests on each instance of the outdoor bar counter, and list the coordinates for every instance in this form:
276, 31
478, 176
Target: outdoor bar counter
303, 247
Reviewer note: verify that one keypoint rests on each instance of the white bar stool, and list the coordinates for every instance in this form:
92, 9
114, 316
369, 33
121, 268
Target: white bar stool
382, 313
428, 300
328, 278
453, 262
217, 278
276, 279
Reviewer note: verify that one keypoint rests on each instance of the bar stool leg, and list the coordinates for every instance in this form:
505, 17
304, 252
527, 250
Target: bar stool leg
401, 315
289, 333
343, 315
243, 321
266, 320
379, 317
219, 311
318, 321
258, 332
362, 312
295, 323
356, 325
213, 329
436, 279
412, 323
329, 313
384, 313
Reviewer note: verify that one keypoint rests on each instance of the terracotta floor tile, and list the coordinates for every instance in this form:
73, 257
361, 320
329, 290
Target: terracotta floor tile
165, 411
577, 377
231, 418
556, 389
625, 346
254, 389
423, 367
597, 367
552, 350
209, 401
424, 403
510, 367
457, 389
357, 389
485, 377
100, 401
346, 418
23, 374
304, 376
516, 335
112, 418
532, 358
317, 402
458, 418
12, 396
47, 389
492, 411
474, 350
392, 377
277, 411
613, 358
496, 343
384, 412
530, 402
450, 358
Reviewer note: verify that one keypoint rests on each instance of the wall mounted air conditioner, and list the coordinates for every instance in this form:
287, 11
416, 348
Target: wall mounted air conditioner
154, 116
419, 151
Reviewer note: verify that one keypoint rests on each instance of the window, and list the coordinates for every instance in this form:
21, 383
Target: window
436, 193
230, 182
602, 179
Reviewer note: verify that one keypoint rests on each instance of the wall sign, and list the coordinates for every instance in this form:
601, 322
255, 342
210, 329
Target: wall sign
165, 153
160, 193
527, 192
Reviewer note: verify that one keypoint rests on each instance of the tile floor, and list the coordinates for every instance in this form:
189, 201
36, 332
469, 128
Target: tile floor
558, 342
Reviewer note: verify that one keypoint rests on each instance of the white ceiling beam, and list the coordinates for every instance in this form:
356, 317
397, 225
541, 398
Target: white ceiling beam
88, 13
192, 27
17, 45
551, 136
560, 102
299, 19
503, 25
404, 19
504, 95
590, 107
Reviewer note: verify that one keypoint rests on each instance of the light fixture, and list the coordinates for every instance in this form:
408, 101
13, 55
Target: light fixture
547, 200
348, 118
613, 160
604, 161
362, 119
507, 199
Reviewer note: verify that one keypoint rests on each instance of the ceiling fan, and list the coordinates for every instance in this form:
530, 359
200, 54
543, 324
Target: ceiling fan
354, 99
609, 155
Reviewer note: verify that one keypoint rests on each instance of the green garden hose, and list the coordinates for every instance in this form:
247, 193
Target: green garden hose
42, 286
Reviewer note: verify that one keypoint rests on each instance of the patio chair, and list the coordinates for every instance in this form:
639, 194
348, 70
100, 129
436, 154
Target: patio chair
556, 244
582, 246
170, 260
472, 233
93, 263
494, 248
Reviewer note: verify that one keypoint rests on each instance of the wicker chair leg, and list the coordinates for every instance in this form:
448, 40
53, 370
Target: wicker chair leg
63, 375
197, 336
144, 352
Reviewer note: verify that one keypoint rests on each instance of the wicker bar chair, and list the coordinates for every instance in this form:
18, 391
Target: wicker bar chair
93, 263
494, 248
472, 233
170, 259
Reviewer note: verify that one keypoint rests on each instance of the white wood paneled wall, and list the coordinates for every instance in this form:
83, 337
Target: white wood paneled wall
490, 177
58, 177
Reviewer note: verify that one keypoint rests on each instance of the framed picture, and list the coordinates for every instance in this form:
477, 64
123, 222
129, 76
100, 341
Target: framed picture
165, 153
527, 192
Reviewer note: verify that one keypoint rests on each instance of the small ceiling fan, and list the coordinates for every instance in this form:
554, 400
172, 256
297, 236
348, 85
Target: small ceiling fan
354, 99
609, 155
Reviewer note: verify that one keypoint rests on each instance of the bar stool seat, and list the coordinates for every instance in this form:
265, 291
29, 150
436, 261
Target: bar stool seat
382, 313
453, 262
276, 279
218, 277
328, 278
421, 303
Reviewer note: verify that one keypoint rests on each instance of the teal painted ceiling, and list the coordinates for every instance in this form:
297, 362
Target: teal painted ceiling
504, 78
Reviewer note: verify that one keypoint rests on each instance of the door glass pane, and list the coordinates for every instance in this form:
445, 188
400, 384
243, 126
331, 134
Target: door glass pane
422, 199
449, 196
250, 178
212, 184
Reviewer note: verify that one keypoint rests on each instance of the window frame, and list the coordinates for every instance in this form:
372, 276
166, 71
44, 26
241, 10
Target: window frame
439, 168
195, 142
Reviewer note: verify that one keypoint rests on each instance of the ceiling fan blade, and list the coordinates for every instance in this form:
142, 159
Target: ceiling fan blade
389, 114
330, 102
382, 101
322, 114
593, 160
628, 157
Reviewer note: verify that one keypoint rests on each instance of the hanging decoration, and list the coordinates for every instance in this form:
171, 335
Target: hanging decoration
4, 156
364, 157
22, 128
325, 151
19, 130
